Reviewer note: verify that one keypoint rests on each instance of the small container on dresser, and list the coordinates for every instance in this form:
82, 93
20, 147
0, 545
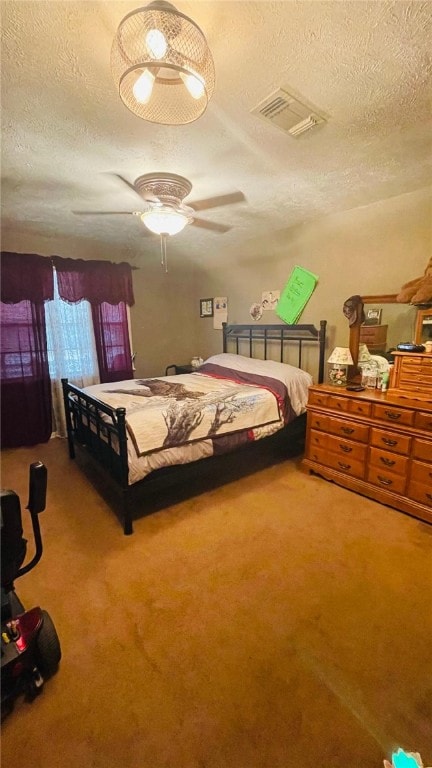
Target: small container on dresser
375, 443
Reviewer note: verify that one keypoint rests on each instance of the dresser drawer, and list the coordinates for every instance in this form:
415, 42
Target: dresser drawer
423, 420
392, 441
348, 429
317, 421
387, 480
420, 492
361, 407
392, 462
422, 449
318, 398
348, 448
393, 415
345, 464
318, 439
422, 473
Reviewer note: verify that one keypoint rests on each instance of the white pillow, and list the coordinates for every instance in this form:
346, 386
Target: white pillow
296, 381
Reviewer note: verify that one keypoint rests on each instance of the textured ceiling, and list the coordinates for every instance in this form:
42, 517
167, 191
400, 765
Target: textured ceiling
365, 66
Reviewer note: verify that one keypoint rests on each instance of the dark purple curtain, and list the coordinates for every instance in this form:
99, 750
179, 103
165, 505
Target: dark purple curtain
26, 411
96, 281
112, 341
26, 415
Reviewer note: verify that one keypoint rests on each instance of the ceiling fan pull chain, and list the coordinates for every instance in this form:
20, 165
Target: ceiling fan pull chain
164, 261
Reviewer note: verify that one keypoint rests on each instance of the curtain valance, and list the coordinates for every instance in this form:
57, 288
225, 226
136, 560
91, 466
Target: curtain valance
26, 277
96, 281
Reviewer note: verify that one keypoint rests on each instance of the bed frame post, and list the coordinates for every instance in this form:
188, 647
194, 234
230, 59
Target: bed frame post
322, 340
124, 470
68, 419
224, 337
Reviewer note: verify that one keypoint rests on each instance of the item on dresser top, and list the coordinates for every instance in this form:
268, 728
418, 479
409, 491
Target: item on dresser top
409, 346
339, 361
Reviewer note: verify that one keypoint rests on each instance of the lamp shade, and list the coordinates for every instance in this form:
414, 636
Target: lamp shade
162, 65
341, 355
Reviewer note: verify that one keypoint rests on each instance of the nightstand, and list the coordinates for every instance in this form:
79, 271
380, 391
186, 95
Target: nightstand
178, 369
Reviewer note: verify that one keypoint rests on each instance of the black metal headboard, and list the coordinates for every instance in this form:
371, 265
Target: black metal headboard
282, 334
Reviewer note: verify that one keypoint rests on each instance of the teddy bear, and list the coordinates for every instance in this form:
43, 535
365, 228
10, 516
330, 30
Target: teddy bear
418, 291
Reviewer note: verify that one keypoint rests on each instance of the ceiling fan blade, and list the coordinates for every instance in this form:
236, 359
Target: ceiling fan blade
128, 183
212, 225
215, 202
106, 213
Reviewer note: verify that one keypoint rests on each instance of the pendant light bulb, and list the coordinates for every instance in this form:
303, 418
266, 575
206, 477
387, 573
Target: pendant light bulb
156, 44
143, 87
194, 84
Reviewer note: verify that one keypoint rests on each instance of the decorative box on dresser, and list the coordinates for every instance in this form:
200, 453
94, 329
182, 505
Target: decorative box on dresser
378, 444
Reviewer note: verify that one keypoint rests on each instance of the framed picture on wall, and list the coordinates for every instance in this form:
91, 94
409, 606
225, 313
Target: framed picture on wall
373, 316
206, 307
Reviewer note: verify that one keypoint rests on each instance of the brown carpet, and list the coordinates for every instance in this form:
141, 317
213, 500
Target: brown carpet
275, 622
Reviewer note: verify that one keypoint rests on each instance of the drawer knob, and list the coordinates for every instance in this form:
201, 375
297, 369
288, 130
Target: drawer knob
385, 480
388, 441
345, 448
429, 496
387, 462
344, 466
392, 415
347, 430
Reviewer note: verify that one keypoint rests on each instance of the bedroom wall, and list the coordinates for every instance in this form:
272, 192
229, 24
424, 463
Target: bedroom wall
368, 250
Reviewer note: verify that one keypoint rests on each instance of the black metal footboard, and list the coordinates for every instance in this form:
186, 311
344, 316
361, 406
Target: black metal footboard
102, 430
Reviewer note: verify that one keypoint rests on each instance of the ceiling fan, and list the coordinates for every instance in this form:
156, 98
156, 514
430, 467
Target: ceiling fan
164, 212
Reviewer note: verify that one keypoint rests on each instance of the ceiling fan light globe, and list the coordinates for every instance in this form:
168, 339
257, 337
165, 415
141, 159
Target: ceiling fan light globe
165, 221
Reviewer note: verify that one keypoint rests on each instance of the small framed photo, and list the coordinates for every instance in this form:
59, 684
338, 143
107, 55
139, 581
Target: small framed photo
206, 307
373, 316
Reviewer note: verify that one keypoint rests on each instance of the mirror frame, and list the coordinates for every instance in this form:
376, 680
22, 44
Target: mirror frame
354, 337
421, 314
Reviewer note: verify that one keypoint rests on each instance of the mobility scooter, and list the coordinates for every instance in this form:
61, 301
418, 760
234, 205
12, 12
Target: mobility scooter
30, 648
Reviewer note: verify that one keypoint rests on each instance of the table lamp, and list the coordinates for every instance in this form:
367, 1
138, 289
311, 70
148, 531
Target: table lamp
339, 361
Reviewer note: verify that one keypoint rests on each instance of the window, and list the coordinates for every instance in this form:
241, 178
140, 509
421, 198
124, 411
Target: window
70, 339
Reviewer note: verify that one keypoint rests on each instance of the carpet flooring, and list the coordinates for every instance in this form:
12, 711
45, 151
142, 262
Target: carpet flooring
275, 621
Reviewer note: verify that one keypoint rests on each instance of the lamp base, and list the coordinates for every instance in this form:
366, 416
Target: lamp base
338, 375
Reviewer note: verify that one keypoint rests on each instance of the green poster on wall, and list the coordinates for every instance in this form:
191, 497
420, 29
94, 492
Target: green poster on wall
296, 295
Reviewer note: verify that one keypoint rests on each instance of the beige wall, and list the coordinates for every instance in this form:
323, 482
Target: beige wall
368, 250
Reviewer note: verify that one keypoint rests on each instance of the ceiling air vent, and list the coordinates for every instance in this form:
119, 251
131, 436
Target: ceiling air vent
287, 113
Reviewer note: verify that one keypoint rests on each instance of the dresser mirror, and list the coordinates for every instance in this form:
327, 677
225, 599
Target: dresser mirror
423, 328
386, 324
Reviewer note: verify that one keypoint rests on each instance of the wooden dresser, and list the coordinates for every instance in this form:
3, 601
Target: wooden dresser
377, 444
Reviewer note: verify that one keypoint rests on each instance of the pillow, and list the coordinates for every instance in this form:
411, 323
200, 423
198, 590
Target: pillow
296, 381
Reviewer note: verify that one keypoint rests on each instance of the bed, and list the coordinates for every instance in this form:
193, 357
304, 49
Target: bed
143, 430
